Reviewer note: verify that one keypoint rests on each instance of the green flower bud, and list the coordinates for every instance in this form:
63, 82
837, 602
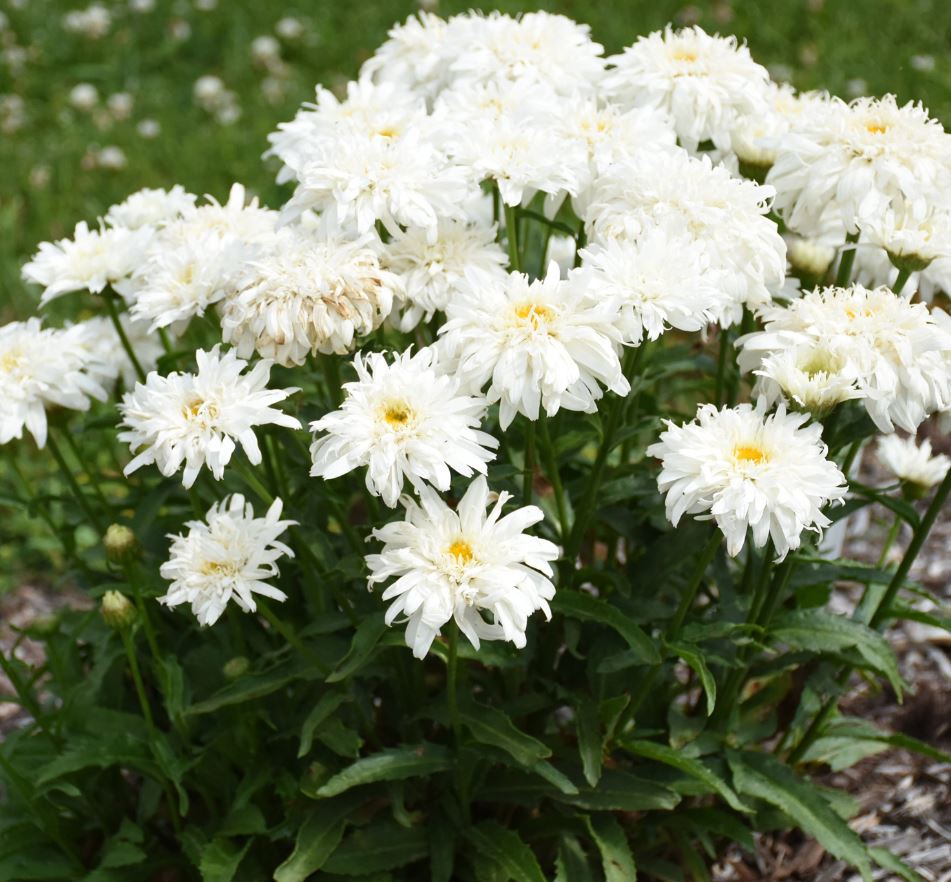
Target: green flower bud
120, 543
116, 610
236, 667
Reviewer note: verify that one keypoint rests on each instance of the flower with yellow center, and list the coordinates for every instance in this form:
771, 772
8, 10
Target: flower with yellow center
403, 420
768, 475
195, 419
477, 567
229, 555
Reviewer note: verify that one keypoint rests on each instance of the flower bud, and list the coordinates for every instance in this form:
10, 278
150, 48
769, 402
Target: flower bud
236, 667
120, 543
117, 612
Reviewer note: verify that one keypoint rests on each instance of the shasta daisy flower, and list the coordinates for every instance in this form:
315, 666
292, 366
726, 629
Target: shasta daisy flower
195, 419
912, 463
41, 368
748, 471
403, 420
433, 273
90, 261
150, 208
479, 569
539, 344
229, 555
705, 83
315, 292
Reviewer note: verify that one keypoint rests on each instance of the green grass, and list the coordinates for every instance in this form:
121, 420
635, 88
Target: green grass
833, 44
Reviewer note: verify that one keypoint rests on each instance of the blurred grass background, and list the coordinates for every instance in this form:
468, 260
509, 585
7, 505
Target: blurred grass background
59, 165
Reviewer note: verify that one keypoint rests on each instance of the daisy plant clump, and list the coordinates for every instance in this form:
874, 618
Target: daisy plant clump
470, 515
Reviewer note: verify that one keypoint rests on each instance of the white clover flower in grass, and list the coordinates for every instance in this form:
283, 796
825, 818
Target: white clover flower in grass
403, 420
314, 292
150, 208
706, 83
541, 344
660, 281
360, 179
722, 214
858, 159
912, 463
897, 354
749, 472
195, 419
41, 368
228, 556
90, 261
433, 273
482, 570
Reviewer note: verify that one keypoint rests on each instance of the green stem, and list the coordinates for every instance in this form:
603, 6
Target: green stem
850, 456
900, 280
71, 444
846, 261
528, 472
672, 630
133, 577
255, 483
725, 349
452, 682
110, 299
511, 235
889, 541
332, 377
292, 638
137, 679
27, 700
73, 486
554, 476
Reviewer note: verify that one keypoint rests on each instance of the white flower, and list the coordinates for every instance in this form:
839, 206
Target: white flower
403, 420
896, 353
541, 343
855, 160
722, 214
661, 280
360, 179
705, 83
416, 56
195, 419
913, 463
90, 261
314, 292
811, 257
464, 565
434, 273
150, 208
748, 471
910, 239
40, 368
229, 555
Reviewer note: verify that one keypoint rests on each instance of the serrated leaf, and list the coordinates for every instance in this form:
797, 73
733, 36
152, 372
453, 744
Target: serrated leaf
891, 862
393, 764
590, 740
362, 648
489, 725
220, 859
611, 840
587, 608
817, 630
554, 776
506, 848
571, 865
378, 848
695, 661
693, 767
321, 711
256, 685
762, 776
317, 838
624, 792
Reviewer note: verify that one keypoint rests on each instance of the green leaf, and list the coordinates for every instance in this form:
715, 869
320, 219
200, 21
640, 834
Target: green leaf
857, 730
378, 848
220, 859
317, 838
489, 725
256, 685
590, 740
762, 776
620, 791
616, 857
506, 848
571, 865
817, 630
553, 776
888, 861
695, 661
693, 767
321, 711
587, 608
442, 848
393, 764
362, 648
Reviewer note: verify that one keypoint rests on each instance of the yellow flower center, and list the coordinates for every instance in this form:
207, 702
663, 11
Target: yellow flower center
876, 128
197, 408
750, 453
534, 313
461, 551
388, 132
687, 55
397, 415
9, 361
216, 568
